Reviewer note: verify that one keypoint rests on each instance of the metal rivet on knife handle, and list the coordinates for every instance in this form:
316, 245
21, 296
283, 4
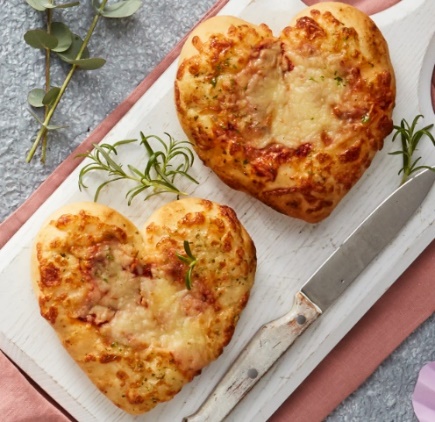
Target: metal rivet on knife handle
301, 320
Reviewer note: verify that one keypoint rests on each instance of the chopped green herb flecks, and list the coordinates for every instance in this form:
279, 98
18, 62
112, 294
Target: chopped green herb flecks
365, 118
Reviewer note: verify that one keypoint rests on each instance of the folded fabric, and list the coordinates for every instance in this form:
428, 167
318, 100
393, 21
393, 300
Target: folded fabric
20, 401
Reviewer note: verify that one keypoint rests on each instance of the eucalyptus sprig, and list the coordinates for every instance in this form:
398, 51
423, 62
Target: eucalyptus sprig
191, 261
159, 172
69, 47
410, 138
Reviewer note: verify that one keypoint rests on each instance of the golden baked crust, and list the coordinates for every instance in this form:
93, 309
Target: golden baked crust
118, 300
293, 120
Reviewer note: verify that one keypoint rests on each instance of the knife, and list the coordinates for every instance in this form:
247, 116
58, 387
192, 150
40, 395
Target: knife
315, 297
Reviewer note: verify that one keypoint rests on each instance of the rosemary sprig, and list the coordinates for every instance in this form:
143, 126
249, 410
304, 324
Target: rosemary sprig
410, 138
191, 261
70, 48
158, 175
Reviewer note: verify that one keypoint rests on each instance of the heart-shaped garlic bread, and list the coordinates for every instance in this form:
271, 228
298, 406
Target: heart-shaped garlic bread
293, 120
118, 300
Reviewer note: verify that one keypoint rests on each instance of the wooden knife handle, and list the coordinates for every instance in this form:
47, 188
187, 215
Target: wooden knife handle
262, 351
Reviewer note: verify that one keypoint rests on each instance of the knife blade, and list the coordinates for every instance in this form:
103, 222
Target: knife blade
327, 283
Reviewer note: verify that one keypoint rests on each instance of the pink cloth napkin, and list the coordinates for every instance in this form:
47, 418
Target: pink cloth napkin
20, 401
348, 365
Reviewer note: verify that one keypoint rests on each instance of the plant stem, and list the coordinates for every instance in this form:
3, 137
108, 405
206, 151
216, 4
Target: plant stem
47, 80
405, 176
45, 125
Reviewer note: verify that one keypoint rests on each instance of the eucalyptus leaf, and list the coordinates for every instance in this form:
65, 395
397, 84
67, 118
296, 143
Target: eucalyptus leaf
63, 35
61, 6
48, 126
51, 96
56, 127
96, 5
91, 63
38, 38
72, 52
42, 5
36, 117
38, 5
121, 9
35, 97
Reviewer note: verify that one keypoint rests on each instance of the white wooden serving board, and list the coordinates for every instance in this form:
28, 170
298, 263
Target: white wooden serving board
288, 250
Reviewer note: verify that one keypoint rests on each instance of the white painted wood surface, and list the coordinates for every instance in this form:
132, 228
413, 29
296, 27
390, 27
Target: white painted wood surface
288, 250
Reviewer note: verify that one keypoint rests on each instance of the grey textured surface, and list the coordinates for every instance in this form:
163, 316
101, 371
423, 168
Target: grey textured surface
386, 395
133, 47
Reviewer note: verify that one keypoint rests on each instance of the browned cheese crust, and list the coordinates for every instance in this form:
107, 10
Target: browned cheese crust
118, 301
293, 120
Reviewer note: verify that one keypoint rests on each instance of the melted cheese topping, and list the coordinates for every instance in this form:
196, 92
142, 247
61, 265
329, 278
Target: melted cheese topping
293, 120
118, 299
